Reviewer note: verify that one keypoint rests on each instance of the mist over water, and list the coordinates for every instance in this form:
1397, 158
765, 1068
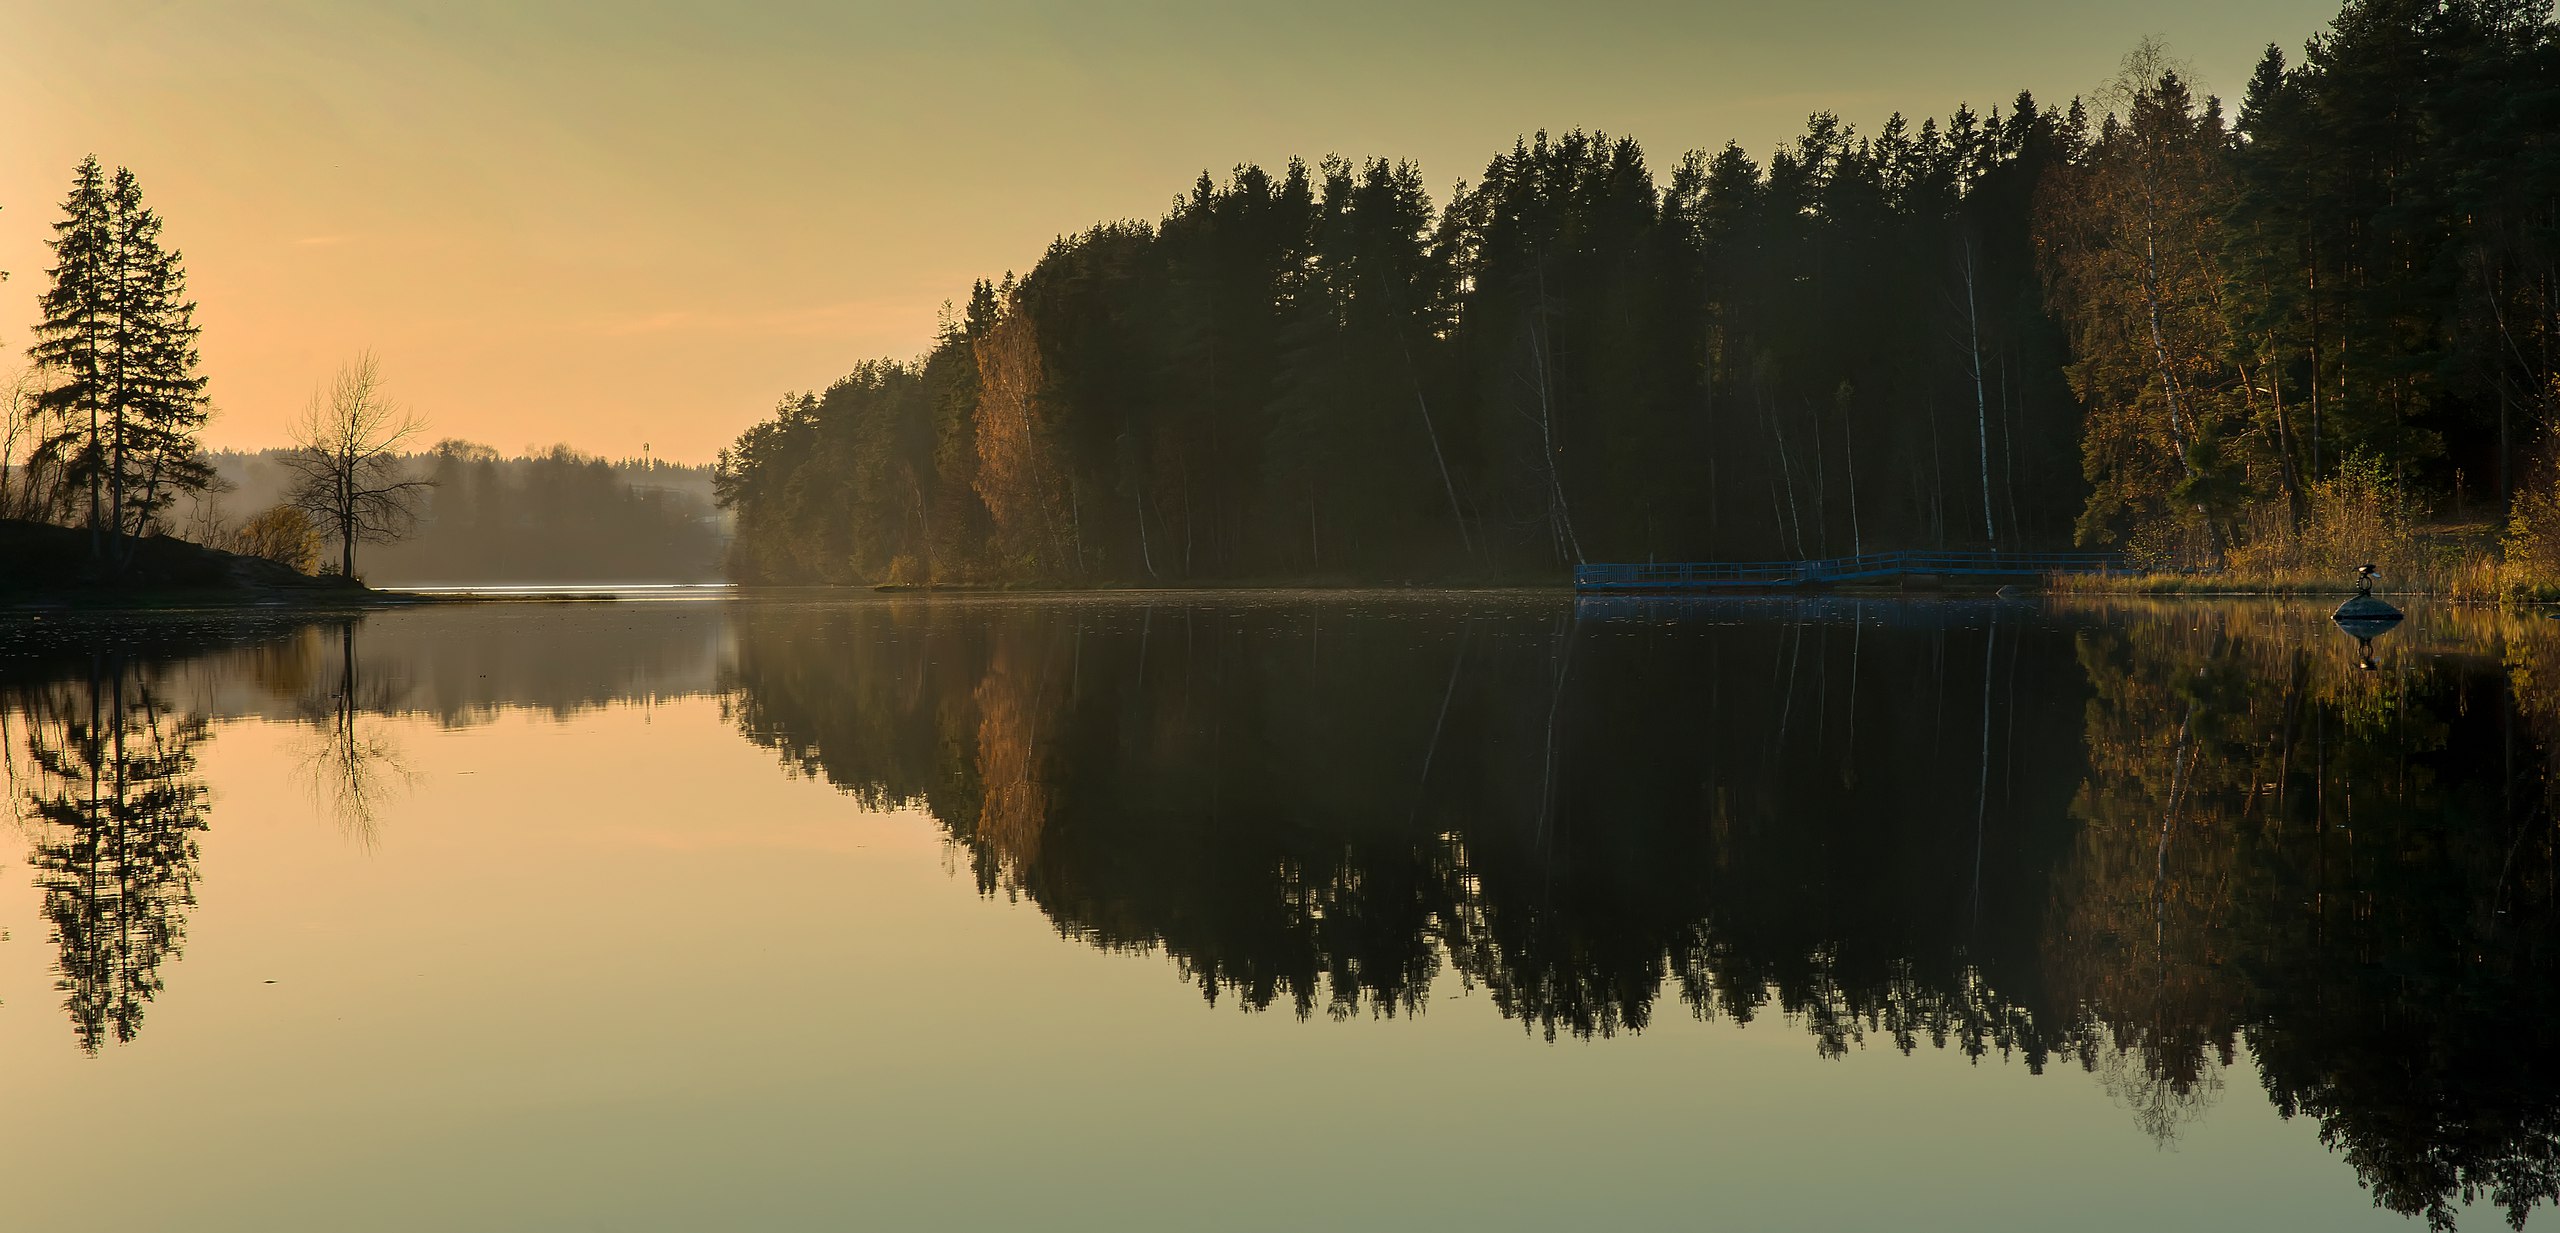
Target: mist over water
1488, 908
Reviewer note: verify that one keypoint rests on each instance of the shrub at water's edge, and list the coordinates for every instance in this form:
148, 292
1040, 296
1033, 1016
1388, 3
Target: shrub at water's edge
2530, 568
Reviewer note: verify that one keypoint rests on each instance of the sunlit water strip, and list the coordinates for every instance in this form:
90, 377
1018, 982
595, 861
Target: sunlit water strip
581, 590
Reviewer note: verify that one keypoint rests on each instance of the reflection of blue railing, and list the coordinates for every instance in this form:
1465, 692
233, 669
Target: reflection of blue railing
1701, 575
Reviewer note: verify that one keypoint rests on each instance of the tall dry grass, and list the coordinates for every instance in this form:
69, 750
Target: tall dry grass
2362, 515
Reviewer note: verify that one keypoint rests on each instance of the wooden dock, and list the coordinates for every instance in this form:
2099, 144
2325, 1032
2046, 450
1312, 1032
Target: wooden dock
1870, 567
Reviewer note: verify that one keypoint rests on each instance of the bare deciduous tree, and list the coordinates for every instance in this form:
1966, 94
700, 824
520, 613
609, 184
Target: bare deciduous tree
355, 766
21, 427
346, 464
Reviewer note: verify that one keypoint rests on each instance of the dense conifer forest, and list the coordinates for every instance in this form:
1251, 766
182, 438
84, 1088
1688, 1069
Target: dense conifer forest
2141, 319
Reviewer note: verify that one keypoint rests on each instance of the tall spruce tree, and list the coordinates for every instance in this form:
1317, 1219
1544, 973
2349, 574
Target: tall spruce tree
73, 339
162, 405
118, 347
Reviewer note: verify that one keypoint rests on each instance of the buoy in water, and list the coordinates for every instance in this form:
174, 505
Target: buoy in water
2362, 607
2365, 618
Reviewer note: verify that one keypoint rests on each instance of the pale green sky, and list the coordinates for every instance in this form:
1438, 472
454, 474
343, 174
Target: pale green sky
610, 223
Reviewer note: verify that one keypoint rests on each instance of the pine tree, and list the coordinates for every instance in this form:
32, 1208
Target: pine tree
164, 401
73, 339
118, 342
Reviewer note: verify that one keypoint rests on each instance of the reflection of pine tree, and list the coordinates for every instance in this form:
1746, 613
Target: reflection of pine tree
115, 790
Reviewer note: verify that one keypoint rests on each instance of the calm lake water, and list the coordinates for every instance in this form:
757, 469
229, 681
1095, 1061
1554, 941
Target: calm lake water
1276, 913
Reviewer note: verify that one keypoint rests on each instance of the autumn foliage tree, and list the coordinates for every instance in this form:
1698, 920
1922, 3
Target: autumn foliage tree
2131, 235
1018, 474
285, 535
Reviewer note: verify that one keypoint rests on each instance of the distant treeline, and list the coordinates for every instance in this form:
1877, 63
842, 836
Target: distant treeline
2132, 322
559, 516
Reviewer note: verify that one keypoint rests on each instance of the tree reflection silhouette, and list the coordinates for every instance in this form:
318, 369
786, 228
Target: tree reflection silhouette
102, 764
2344, 868
2147, 841
118, 805
104, 778
352, 762
2139, 840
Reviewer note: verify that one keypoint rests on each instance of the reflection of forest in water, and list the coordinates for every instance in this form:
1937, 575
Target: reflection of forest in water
2132, 841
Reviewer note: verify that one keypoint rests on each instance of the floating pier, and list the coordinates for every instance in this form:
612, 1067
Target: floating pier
1868, 567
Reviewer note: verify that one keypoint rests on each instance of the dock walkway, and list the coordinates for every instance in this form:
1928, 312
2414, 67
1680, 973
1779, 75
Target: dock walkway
1873, 566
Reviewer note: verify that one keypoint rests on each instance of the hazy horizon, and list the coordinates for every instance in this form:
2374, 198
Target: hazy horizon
556, 225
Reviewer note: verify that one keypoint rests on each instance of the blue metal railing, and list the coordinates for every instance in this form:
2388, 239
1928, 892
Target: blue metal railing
1702, 575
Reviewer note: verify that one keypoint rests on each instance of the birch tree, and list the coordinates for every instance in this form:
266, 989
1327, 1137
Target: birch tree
1019, 476
2128, 238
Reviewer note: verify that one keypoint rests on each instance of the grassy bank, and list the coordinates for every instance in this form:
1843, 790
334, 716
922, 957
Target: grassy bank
2360, 515
2470, 579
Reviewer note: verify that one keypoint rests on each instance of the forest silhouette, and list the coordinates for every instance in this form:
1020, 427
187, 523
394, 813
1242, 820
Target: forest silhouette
2136, 319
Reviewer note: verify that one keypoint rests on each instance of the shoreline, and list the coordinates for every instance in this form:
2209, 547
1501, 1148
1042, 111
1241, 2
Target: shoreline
42, 603
318, 601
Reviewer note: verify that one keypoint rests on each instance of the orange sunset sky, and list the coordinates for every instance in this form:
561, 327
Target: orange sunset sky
610, 223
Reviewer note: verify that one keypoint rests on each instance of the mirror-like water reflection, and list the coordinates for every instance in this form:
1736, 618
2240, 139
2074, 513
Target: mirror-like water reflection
2191, 866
